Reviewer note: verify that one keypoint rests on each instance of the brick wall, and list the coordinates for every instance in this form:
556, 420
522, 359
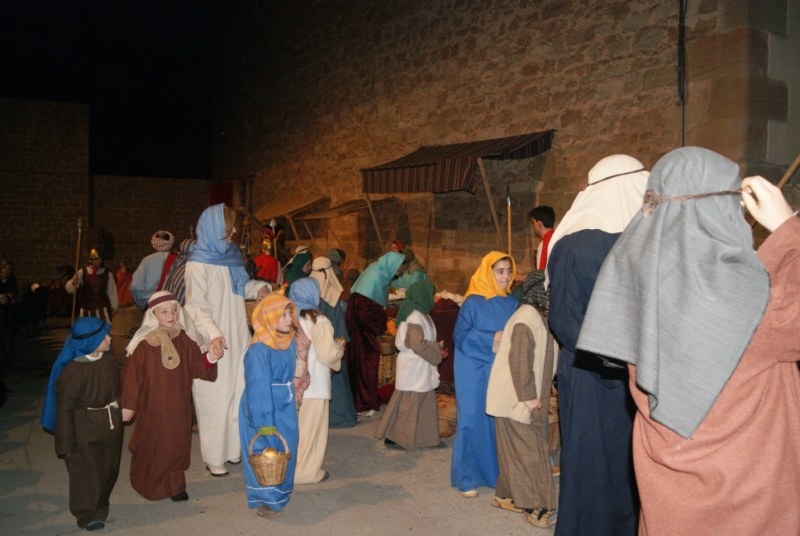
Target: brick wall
46, 188
44, 170
338, 86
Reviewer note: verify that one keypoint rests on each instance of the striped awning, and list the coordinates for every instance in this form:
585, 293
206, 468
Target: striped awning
449, 168
285, 207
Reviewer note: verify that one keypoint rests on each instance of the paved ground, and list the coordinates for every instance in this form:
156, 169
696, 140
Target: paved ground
371, 490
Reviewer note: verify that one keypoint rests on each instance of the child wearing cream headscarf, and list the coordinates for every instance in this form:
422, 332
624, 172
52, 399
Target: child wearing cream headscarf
164, 357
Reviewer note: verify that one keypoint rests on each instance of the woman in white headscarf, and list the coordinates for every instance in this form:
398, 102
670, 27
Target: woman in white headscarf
597, 490
342, 409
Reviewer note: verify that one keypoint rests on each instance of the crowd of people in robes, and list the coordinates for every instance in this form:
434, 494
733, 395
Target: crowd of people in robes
648, 306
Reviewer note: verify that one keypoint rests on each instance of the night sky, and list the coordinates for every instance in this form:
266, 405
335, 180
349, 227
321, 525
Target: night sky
143, 66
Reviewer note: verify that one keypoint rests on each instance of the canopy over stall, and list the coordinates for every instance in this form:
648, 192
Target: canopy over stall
287, 208
349, 207
449, 168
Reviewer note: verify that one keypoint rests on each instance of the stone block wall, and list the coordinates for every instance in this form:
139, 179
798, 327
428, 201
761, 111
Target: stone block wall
44, 173
309, 93
47, 188
131, 209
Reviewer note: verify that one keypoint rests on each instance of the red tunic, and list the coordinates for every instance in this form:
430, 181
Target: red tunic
740, 471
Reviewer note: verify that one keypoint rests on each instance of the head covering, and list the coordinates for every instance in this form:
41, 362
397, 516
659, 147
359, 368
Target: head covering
330, 288
295, 269
374, 280
419, 297
534, 292
482, 281
265, 321
162, 244
336, 262
174, 282
305, 294
212, 248
614, 194
86, 335
334, 256
155, 335
683, 290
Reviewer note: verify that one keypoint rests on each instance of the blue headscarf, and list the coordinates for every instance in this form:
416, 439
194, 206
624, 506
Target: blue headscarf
85, 337
374, 280
305, 294
212, 248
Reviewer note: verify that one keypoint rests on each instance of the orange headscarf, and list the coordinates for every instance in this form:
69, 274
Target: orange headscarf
482, 281
265, 321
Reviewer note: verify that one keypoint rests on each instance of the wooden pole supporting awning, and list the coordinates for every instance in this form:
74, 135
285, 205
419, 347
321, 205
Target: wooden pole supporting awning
455, 167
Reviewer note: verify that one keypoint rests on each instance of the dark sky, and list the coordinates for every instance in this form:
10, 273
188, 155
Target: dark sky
143, 66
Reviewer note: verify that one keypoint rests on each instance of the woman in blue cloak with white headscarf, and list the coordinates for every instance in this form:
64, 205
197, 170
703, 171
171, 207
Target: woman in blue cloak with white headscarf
216, 287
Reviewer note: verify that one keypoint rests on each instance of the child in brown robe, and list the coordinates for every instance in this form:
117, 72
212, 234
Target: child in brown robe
164, 359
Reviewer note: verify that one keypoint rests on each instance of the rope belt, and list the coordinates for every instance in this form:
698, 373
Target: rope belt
107, 407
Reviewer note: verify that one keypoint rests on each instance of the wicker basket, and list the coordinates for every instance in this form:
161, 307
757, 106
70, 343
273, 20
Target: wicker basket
386, 368
250, 306
386, 343
270, 469
553, 420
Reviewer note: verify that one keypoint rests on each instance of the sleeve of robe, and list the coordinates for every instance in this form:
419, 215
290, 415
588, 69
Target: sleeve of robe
111, 291
520, 361
329, 352
68, 395
467, 334
780, 254
430, 351
258, 379
132, 379
198, 304
202, 368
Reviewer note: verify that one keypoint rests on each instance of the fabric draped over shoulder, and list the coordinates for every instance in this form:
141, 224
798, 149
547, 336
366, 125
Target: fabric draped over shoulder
330, 289
211, 247
613, 194
375, 279
419, 297
683, 289
305, 294
482, 281
150, 323
84, 338
265, 321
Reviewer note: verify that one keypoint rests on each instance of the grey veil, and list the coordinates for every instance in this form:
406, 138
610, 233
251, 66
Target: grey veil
682, 291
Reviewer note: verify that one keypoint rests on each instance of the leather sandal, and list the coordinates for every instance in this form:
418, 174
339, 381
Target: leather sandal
540, 517
505, 504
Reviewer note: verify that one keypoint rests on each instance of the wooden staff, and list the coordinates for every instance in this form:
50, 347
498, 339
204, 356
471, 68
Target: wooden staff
77, 267
508, 218
786, 176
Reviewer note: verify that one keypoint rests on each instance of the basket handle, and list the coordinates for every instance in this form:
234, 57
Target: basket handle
277, 433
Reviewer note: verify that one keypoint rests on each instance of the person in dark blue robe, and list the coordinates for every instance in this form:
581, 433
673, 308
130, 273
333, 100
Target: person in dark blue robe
597, 489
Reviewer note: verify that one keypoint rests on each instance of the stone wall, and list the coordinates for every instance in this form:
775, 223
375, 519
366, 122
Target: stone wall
309, 93
47, 188
131, 209
44, 172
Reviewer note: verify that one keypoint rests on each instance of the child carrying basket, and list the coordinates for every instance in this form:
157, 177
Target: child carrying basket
268, 405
